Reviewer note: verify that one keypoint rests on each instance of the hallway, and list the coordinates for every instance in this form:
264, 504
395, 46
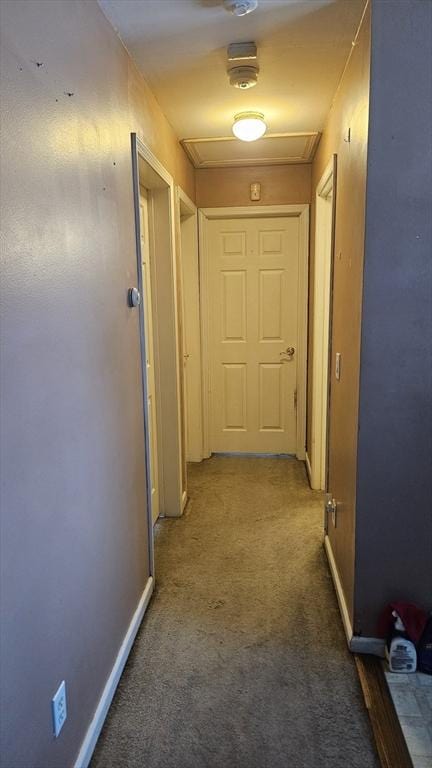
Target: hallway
241, 660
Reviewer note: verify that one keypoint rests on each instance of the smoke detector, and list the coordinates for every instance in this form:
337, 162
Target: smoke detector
242, 65
243, 77
240, 7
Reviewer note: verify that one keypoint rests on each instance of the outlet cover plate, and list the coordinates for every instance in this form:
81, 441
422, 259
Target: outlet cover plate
59, 708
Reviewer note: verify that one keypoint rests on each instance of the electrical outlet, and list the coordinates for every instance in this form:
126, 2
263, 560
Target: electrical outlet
59, 709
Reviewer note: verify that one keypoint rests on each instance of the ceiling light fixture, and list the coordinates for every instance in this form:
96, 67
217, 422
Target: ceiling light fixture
249, 126
240, 7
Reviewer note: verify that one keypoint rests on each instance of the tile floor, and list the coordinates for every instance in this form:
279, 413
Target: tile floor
412, 697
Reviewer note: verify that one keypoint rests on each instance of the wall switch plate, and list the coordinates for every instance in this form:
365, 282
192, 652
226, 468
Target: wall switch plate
338, 366
59, 709
255, 191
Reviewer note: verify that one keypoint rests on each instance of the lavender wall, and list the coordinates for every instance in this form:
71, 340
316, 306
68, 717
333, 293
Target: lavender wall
74, 531
394, 482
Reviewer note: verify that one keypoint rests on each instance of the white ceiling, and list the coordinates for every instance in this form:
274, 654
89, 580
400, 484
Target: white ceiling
180, 48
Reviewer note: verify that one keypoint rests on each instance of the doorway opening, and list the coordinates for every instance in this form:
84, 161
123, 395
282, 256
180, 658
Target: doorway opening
253, 279
316, 462
187, 217
154, 205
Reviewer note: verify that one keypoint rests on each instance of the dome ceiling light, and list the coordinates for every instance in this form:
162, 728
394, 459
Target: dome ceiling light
240, 7
249, 126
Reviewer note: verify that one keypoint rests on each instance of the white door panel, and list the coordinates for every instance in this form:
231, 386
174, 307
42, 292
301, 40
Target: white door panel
253, 314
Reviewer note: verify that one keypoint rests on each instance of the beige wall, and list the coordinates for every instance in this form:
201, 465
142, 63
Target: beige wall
349, 111
280, 185
154, 129
73, 530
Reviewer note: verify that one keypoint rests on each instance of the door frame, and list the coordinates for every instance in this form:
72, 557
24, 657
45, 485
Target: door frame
321, 331
147, 285
301, 212
187, 217
151, 174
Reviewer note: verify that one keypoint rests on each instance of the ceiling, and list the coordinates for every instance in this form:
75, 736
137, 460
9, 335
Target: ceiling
272, 149
180, 48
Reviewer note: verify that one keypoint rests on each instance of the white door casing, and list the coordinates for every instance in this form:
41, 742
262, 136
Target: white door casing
254, 282
323, 266
149, 344
191, 325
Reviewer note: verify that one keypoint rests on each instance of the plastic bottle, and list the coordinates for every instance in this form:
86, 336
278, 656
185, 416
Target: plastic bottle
401, 653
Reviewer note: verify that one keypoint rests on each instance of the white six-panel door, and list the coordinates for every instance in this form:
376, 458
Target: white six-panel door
253, 320
148, 328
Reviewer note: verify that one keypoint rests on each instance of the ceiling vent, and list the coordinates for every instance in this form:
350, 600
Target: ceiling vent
240, 7
242, 65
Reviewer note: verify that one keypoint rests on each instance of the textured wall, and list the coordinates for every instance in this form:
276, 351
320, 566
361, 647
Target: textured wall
349, 112
394, 489
153, 128
74, 541
280, 185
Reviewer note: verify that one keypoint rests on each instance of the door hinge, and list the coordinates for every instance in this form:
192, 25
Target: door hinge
295, 398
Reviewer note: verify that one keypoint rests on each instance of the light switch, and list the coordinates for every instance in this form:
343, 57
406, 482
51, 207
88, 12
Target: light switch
338, 366
255, 191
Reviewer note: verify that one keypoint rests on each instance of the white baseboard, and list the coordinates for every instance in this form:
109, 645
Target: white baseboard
346, 621
181, 508
251, 455
308, 469
315, 486
95, 727
375, 646
356, 643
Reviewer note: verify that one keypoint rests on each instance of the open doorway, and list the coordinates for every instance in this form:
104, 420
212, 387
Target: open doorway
159, 325
322, 287
191, 335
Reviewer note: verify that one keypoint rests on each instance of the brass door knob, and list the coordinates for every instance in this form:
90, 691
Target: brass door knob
287, 354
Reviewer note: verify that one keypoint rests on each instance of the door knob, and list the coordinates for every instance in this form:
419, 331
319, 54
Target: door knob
134, 297
287, 354
331, 505
331, 508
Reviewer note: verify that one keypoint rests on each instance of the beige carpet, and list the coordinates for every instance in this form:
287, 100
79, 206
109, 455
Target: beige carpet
241, 660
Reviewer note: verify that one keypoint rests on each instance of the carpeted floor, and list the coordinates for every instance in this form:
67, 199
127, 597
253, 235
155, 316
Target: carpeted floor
241, 661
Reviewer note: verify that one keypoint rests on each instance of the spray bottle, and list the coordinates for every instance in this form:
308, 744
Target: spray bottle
401, 653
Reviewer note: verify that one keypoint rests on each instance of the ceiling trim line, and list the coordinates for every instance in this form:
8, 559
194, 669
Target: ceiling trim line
192, 148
